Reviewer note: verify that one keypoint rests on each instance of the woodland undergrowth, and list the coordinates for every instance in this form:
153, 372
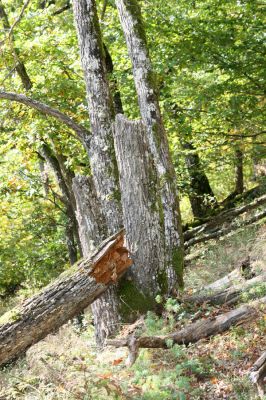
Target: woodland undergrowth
66, 365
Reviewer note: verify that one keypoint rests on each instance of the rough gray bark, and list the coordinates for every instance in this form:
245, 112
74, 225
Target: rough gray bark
130, 18
19, 65
201, 329
142, 209
201, 197
82, 133
100, 146
92, 230
63, 299
101, 111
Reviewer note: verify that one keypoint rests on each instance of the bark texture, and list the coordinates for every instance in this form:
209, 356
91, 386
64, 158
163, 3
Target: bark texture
226, 216
132, 24
142, 208
68, 199
101, 112
239, 177
66, 297
201, 329
227, 296
92, 230
100, 148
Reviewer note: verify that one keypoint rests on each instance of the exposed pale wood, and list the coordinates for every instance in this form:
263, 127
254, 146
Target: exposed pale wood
63, 299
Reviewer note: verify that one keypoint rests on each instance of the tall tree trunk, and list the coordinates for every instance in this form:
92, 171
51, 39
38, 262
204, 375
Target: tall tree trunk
132, 24
101, 148
201, 197
239, 177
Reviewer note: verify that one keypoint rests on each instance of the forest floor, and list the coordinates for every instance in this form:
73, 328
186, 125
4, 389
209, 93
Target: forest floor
67, 366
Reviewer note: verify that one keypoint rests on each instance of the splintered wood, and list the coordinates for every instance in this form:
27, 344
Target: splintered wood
110, 265
66, 297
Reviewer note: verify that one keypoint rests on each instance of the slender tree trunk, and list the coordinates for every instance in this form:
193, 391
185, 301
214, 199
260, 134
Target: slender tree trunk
68, 199
201, 197
239, 177
101, 149
131, 21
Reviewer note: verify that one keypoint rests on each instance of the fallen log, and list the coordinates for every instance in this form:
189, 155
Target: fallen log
227, 296
201, 329
224, 216
243, 271
223, 231
73, 291
258, 374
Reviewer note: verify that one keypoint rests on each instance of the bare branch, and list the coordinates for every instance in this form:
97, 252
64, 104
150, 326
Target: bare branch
81, 132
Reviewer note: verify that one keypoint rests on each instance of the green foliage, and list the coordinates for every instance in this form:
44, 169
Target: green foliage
32, 248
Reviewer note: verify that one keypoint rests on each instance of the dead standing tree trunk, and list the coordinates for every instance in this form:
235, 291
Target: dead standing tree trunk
143, 219
132, 24
63, 299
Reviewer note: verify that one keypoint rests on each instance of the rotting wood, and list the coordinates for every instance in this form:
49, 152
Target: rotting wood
62, 300
258, 374
201, 329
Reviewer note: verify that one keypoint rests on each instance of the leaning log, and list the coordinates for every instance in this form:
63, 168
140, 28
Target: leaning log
258, 374
201, 329
73, 291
